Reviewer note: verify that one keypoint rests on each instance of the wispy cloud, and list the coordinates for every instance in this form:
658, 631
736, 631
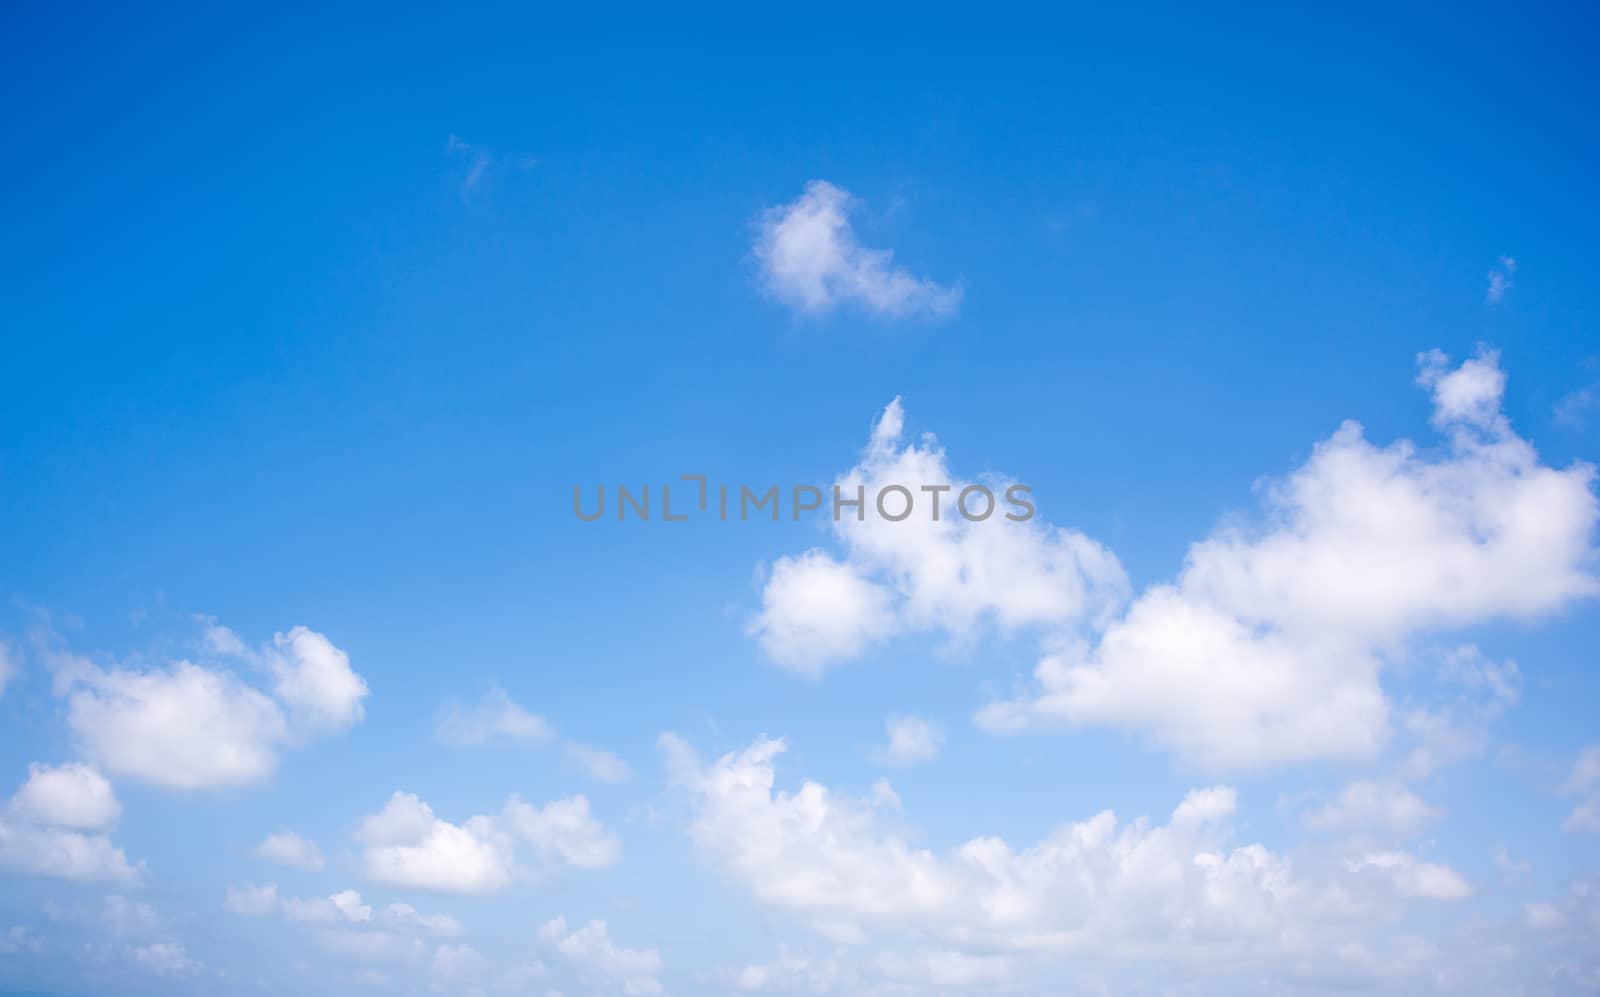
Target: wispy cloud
811, 261
481, 162
1500, 279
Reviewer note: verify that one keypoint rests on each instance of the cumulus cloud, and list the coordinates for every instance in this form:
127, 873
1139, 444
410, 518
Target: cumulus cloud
287, 848
590, 948
407, 845
811, 261
188, 726
55, 826
74, 795
600, 764
911, 740
947, 575
1269, 645
315, 680
1181, 891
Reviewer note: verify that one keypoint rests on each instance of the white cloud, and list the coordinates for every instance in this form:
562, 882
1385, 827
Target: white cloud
1269, 645
816, 611
54, 826
190, 727
950, 575
1364, 807
1584, 782
8, 666
126, 918
911, 740
1500, 279
456, 966
1120, 890
498, 716
251, 900
599, 763
167, 959
73, 796
564, 830
406, 845
1543, 916
287, 848
315, 681
590, 947
1415, 878
344, 907
438, 924
810, 260
181, 728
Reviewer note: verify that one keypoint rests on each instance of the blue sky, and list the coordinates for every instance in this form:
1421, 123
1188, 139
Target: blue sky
313, 683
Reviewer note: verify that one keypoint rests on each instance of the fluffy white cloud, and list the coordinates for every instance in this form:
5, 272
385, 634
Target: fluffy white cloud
816, 611
498, 716
287, 848
810, 260
911, 740
1269, 645
563, 830
315, 680
73, 795
407, 845
591, 948
54, 826
949, 575
1119, 890
1365, 807
190, 727
185, 727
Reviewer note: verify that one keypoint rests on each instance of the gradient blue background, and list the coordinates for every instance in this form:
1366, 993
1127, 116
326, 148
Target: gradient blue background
269, 356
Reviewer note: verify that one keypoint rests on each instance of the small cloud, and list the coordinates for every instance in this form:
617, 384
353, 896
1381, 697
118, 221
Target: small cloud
497, 717
288, 848
810, 260
599, 763
911, 740
1575, 408
481, 162
1500, 279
